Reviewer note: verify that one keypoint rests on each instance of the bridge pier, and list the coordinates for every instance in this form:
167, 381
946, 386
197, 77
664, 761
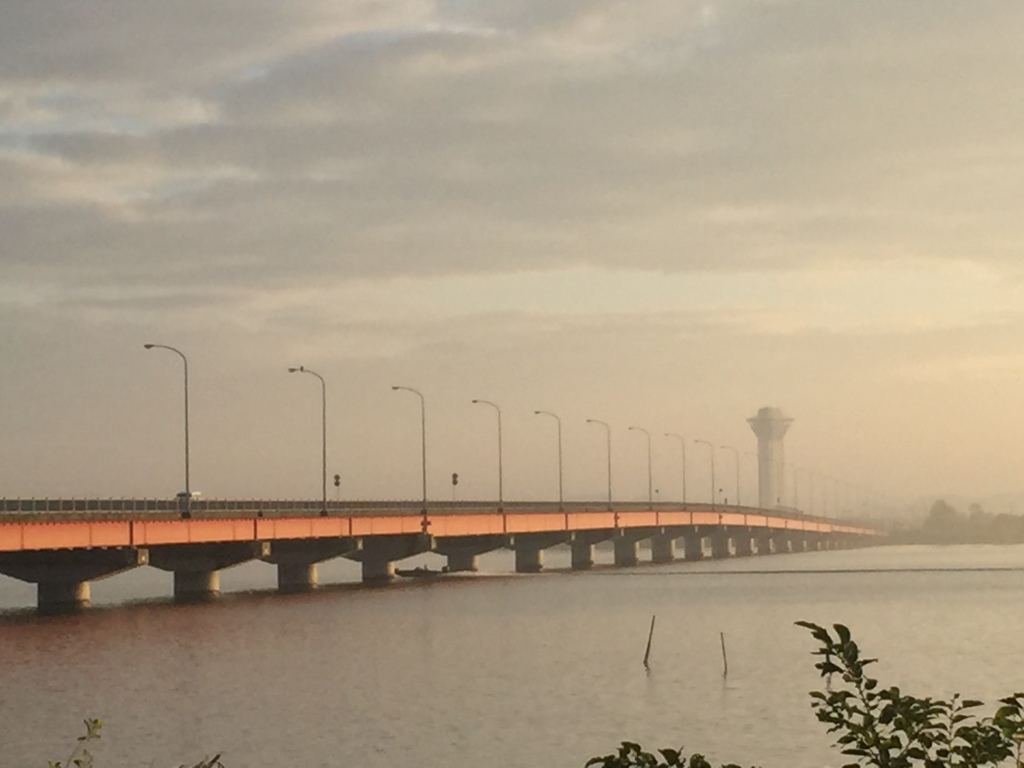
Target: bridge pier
62, 577
743, 543
296, 577
379, 553
625, 543
663, 548
582, 545
196, 567
582, 554
720, 544
529, 549
693, 545
55, 597
625, 551
529, 559
296, 559
463, 561
462, 551
196, 585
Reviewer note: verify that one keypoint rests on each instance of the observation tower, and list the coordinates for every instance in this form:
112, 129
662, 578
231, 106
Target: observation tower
770, 426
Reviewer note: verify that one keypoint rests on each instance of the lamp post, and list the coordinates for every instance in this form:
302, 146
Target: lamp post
608, 431
323, 429
810, 491
650, 483
184, 360
498, 411
558, 421
682, 445
423, 448
810, 488
736, 453
711, 450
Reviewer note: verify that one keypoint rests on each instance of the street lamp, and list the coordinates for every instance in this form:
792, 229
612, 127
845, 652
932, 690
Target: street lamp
608, 431
737, 454
711, 450
682, 445
184, 360
810, 488
650, 484
323, 425
423, 447
498, 411
561, 504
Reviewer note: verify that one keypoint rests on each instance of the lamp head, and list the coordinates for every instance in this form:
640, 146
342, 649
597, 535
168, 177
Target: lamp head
294, 370
396, 388
475, 401
537, 413
149, 346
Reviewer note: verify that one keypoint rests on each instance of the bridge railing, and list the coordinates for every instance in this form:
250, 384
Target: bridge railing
312, 507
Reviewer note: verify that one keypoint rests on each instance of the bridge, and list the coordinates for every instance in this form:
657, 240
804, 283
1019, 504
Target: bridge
62, 545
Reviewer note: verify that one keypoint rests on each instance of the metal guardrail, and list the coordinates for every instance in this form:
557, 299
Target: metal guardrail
312, 507
285, 505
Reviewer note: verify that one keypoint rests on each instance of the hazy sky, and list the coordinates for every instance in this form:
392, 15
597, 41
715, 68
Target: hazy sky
664, 214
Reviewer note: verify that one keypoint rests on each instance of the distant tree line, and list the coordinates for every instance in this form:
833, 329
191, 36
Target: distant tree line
946, 525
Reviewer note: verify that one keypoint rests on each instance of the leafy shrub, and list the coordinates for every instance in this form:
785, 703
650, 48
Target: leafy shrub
880, 727
81, 757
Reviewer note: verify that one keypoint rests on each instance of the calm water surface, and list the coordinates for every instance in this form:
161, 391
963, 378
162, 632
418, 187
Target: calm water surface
495, 669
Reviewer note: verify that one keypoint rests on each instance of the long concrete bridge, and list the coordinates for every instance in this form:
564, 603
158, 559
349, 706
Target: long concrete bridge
62, 545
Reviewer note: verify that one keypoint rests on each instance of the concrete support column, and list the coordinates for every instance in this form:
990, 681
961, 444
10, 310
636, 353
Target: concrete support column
296, 577
693, 546
720, 544
196, 585
296, 559
625, 551
463, 561
529, 559
62, 576
743, 544
61, 596
379, 554
462, 551
582, 555
663, 549
377, 569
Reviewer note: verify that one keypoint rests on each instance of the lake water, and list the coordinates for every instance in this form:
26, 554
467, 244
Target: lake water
496, 669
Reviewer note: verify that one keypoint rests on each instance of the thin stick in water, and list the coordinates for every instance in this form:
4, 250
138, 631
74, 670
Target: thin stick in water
725, 659
650, 637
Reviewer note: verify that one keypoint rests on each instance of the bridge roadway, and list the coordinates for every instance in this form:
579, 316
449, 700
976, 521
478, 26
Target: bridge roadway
61, 545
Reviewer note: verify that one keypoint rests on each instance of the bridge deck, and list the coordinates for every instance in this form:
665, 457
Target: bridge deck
61, 524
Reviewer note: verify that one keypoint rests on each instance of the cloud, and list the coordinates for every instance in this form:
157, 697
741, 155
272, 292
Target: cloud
720, 194
464, 137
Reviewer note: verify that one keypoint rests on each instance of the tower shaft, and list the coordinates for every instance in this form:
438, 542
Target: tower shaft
770, 426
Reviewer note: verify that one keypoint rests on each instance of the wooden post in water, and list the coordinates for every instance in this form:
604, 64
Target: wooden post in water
650, 637
725, 659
